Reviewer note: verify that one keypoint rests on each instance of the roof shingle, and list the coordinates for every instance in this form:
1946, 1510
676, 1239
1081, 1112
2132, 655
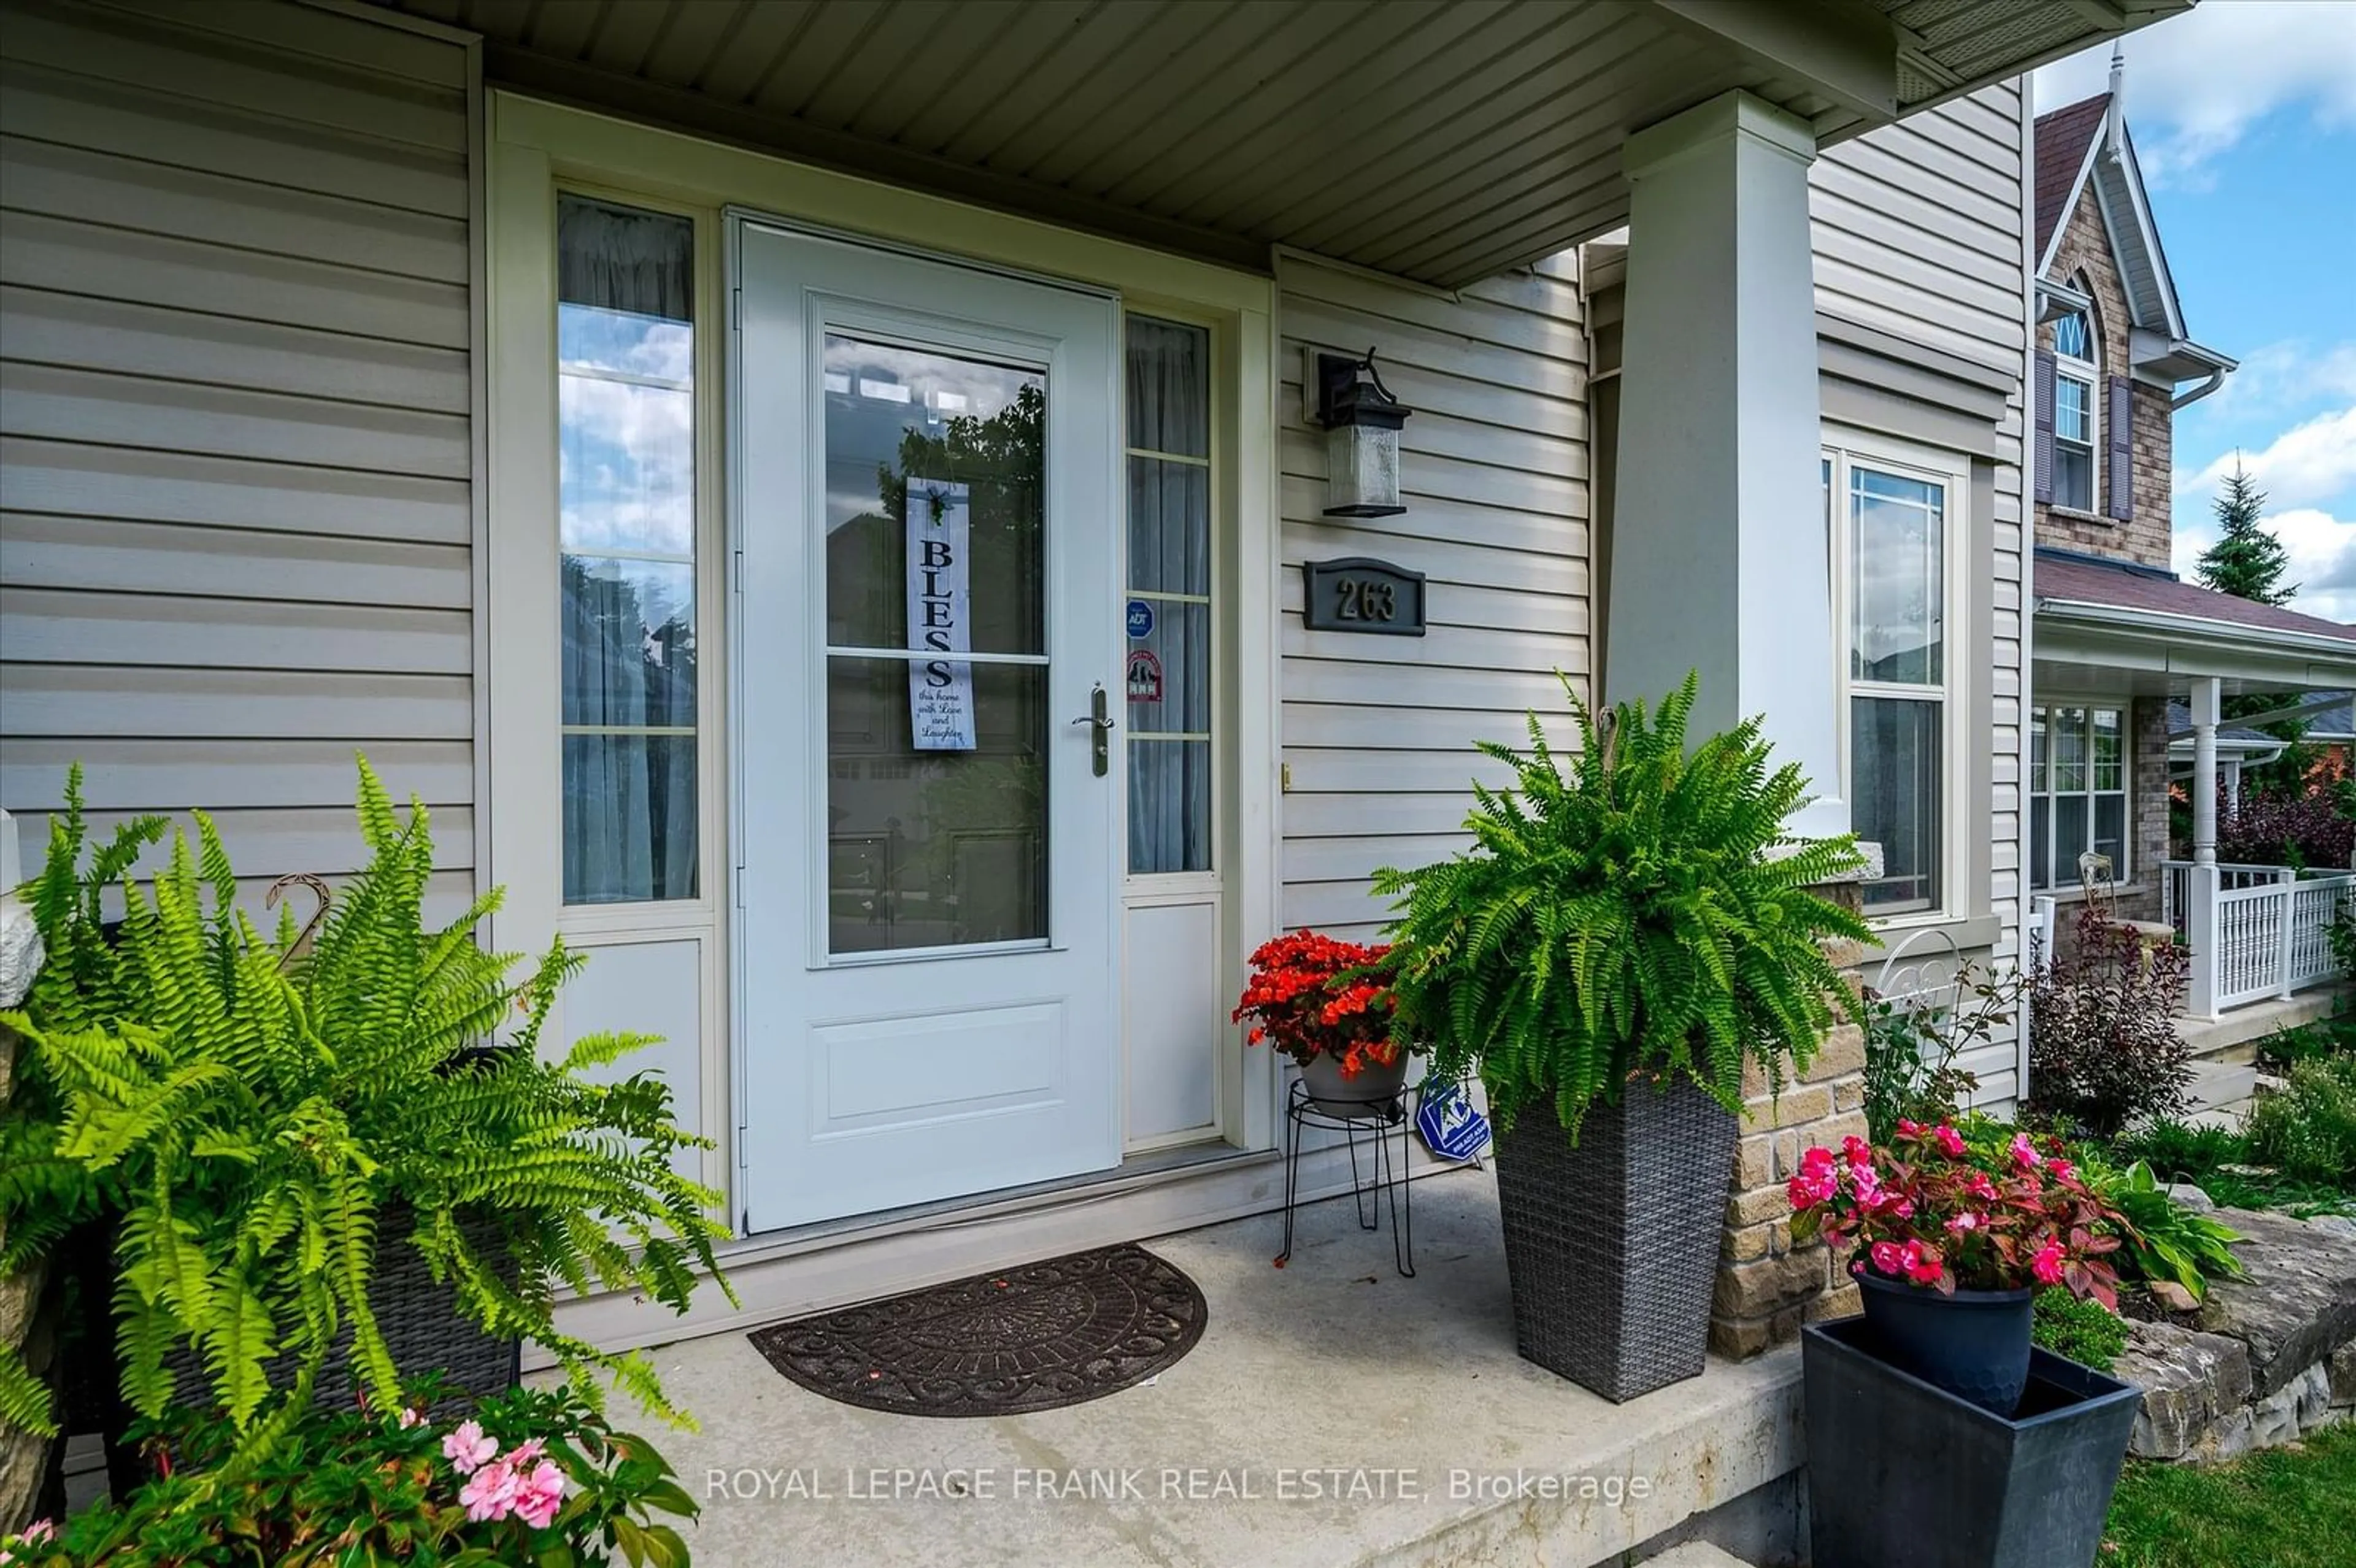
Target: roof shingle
2062, 138
2121, 585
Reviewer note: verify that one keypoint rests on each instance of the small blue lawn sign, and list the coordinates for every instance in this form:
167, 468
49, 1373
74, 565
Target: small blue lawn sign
1451, 1129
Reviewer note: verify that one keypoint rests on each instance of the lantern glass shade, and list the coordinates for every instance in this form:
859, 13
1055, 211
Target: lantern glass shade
1362, 477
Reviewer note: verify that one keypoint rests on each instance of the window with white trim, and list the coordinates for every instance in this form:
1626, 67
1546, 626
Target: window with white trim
2077, 791
2077, 414
1895, 520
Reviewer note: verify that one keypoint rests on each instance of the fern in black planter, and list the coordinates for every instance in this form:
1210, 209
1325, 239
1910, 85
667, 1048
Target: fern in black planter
276, 1133
1632, 927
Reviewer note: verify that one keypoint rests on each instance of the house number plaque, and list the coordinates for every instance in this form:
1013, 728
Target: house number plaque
1358, 594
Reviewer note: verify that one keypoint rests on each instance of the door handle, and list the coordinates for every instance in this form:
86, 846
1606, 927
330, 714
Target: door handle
1100, 724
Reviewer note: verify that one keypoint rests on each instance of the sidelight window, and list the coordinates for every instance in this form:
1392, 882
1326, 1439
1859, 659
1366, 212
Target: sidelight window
625, 413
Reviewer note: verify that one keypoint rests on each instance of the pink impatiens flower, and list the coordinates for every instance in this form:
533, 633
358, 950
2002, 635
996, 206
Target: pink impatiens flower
2024, 1153
1981, 1188
1921, 1266
1908, 1130
1966, 1222
490, 1492
409, 1418
2061, 1168
1888, 1258
1810, 1188
2047, 1265
539, 1494
1950, 1140
467, 1447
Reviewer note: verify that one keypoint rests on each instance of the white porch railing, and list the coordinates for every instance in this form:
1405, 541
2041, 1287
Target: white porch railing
2255, 930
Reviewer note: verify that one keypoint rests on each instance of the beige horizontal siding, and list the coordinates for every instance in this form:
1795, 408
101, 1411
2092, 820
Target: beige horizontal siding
1378, 731
1919, 228
235, 439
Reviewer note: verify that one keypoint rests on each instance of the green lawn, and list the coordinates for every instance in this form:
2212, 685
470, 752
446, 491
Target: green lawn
2281, 1509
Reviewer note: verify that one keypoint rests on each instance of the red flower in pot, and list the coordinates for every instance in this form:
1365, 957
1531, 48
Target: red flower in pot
1327, 1004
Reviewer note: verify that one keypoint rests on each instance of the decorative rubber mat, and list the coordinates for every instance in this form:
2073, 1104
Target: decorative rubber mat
1056, 1333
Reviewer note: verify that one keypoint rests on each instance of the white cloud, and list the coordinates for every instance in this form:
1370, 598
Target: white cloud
2322, 550
2309, 464
2289, 376
2198, 81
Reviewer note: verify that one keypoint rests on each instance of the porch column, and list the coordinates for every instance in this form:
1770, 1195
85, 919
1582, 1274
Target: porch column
2201, 883
2208, 700
1719, 561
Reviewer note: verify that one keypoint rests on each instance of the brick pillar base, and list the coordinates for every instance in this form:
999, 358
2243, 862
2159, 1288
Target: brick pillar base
1768, 1285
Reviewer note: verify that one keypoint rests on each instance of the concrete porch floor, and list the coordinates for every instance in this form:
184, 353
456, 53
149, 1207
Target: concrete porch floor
1333, 1414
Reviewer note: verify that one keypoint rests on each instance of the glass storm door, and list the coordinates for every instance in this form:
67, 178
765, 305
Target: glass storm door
926, 619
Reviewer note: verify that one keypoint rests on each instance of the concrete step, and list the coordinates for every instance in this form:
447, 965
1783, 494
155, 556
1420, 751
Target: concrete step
2236, 1037
1694, 1554
2217, 1086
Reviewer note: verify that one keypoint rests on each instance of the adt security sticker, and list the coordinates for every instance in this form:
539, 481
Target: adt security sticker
1451, 1129
1141, 620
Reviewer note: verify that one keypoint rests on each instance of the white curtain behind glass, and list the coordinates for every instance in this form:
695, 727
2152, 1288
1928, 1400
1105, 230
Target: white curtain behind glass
1170, 572
626, 417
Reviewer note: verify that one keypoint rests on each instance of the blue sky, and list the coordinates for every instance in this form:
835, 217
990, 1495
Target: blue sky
2244, 113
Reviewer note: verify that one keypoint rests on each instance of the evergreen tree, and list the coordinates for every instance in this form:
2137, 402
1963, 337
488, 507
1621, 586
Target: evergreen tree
2247, 562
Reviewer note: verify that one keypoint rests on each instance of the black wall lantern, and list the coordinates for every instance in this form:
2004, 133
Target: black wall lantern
1362, 422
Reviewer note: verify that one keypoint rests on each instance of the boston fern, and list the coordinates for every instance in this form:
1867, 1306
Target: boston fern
246, 1112
1628, 911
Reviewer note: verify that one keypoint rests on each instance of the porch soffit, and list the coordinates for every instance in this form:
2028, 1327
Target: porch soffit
1442, 141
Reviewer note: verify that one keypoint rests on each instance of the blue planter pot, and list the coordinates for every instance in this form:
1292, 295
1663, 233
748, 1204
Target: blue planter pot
1973, 1344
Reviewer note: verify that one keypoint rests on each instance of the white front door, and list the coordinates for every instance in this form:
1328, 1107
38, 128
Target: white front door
927, 607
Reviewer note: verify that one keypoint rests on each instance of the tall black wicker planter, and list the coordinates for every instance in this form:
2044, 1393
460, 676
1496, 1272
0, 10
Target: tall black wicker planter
421, 1322
1612, 1246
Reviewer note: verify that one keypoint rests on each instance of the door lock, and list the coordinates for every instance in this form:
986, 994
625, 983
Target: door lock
1100, 724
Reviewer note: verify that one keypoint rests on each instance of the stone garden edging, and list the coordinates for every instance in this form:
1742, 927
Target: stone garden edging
2266, 1359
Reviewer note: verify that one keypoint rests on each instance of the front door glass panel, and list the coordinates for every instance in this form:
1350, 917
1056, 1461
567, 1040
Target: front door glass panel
936, 715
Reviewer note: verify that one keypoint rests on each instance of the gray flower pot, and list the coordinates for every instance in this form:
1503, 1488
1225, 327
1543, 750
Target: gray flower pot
1901, 1471
1363, 1097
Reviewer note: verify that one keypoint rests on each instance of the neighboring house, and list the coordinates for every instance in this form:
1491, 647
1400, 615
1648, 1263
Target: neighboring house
2116, 635
534, 405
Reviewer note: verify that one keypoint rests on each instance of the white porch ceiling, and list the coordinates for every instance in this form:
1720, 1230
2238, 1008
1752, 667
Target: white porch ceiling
1438, 140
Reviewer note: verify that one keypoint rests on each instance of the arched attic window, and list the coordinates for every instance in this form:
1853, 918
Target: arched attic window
2077, 415
2084, 450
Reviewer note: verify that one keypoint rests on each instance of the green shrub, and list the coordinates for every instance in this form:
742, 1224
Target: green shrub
2307, 1130
1627, 910
247, 1110
1913, 1046
2180, 1151
2086, 1332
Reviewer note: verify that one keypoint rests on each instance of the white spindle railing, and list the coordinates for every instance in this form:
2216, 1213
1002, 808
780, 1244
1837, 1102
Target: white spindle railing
2176, 878
2255, 930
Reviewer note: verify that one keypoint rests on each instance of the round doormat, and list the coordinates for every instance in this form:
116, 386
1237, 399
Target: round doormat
1056, 1333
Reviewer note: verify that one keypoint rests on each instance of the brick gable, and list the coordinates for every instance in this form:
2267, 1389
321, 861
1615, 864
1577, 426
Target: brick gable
2085, 251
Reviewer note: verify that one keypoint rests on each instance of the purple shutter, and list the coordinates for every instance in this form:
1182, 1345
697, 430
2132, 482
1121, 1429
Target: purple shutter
2043, 456
2121, 508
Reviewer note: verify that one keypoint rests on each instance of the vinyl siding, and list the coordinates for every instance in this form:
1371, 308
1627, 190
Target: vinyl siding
1921, 229
1377, 731
235, 422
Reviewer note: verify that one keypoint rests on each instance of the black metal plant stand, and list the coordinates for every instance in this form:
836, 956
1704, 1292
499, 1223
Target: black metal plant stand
1380, 1116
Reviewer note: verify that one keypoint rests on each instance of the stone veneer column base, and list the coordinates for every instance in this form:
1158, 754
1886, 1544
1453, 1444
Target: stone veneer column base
1767, 1283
